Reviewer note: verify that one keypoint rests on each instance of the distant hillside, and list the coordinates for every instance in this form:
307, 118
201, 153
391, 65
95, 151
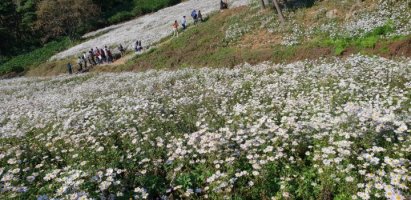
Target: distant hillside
253, 35
27, 25
250, 34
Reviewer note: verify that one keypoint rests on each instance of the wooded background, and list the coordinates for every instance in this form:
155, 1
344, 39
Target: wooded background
28, 24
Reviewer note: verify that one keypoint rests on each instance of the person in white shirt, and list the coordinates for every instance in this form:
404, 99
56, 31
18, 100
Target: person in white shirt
184, 22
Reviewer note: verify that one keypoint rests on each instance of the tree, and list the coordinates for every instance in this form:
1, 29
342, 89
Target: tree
27, 11
262, 4
65, 17
8, 24
280, 13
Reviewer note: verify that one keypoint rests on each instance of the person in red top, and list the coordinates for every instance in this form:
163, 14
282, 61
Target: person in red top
175, 28
98, 56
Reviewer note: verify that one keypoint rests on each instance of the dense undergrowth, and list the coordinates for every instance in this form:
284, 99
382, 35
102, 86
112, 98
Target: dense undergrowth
20, 54
366, 41
128, 9
23, 62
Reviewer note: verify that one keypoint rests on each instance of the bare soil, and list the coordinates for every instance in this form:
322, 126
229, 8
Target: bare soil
401, 48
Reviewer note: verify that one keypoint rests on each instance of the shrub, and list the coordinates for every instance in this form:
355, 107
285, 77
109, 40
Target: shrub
36, 57
369, 40
119, 17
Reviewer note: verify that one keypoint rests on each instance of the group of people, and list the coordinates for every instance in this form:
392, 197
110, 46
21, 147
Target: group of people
197, 17
138, 46
100, 56
95, 57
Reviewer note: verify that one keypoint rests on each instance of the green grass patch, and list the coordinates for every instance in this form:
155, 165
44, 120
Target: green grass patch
369, 40
23, 62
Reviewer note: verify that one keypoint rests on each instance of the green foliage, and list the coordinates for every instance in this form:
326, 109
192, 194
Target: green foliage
114, 11
148, 6
119, 17
369, 40
366, 42
24, 23
23, 62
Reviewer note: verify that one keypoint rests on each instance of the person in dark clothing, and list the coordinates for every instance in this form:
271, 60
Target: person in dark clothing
194, 16
184, 22
122, 50
109, 56
140, 45
92, 57
103, 55
69, 68
223, 5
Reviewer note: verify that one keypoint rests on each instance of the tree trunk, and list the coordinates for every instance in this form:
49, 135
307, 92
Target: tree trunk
280, 13
262, 4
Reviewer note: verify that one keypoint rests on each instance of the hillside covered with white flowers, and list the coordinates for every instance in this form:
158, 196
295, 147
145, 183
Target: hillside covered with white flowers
336, 129
239, 106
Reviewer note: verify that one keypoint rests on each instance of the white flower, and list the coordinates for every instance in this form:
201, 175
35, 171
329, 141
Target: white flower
256, 173
104, 185
250, 183
349, 179
12, 161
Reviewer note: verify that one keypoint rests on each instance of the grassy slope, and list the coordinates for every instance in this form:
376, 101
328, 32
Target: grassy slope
206, 44
37, 57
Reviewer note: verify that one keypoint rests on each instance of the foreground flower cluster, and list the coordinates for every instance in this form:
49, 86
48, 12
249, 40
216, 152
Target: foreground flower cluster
362, 19
307, 130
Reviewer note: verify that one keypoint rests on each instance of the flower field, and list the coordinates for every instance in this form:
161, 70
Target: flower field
150, 28
325, 129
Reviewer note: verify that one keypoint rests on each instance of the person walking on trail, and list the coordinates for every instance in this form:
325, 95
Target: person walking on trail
106, 53
223, 5
122, 50
88, 56
137, 46
109, 56
175, 29
140, 46
184, 23
84, 60
69, 68
98, 56
103, 56
80, 64
92, 55
200, 16
194, 16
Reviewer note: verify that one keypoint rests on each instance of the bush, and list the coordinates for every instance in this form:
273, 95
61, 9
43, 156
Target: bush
36, 57
369, 40
148, 6
121, 16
